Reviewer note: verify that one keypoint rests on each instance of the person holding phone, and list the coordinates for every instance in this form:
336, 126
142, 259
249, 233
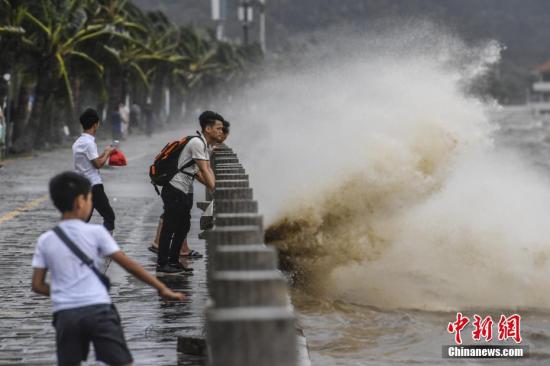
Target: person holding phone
87, 162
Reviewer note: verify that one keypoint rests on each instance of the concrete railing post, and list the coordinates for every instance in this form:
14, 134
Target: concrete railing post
250, 322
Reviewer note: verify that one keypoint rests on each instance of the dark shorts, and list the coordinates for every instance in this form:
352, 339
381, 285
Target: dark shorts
98, 324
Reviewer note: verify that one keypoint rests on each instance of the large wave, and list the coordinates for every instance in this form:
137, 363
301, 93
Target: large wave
375, 166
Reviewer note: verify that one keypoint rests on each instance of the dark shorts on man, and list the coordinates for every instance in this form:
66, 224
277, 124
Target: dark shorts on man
176, 225
101, 203
98, 324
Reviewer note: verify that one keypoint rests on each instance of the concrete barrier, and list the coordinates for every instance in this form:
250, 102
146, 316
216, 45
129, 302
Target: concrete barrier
232, 206
254, 257
220, 149
228, 235
224, 163
232, 194
219, 171
239, 219
251, 336
226, 159
250, 321
221, 153
218, 167
248, 288
222, 177
232, 183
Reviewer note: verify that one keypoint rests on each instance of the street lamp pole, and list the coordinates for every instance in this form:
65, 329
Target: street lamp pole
245, 16
218, 15
246, 13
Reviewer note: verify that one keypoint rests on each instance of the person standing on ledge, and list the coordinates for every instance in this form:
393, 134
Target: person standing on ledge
87, 162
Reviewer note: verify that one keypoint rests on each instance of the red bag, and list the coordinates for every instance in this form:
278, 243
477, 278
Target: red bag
117, 158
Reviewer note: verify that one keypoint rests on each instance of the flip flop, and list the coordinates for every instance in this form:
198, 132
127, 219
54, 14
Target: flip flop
192, 254
153, 249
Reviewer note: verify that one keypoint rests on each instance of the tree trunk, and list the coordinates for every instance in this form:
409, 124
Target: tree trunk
176, 101
20, 113
157, 96
72, 122
116, 92
26, 141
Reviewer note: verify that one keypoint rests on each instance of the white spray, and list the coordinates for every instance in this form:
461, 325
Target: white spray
390, 167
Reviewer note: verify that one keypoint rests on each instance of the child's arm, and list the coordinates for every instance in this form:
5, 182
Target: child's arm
102, 159
140, 273
39, 284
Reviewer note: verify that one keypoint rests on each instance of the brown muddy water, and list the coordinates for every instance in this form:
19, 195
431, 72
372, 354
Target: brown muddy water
366, 296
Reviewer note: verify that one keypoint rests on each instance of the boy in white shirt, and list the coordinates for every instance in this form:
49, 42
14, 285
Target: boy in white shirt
87, 162
82, 308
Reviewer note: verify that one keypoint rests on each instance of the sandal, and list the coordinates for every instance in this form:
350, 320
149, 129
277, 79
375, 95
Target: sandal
192, 254
153, 249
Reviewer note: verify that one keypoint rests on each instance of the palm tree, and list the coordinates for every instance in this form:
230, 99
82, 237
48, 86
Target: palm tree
54, 33
69, 52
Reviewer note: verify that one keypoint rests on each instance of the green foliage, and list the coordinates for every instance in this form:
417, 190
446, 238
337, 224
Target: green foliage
112, 47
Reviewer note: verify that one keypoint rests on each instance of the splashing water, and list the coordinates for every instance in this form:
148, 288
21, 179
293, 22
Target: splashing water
378, 172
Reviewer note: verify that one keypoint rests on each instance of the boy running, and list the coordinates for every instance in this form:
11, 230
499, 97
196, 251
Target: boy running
82, 308
87, 162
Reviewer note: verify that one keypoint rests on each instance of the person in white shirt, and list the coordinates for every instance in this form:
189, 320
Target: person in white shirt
125, 118
87, 162
177, 196
82, 309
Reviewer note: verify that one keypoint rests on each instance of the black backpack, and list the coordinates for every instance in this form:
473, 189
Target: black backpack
165, 165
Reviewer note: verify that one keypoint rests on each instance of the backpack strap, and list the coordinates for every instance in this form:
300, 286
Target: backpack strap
83, 257
156, 188
191, 162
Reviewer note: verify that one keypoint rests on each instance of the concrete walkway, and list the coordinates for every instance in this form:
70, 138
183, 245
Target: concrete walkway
151, 326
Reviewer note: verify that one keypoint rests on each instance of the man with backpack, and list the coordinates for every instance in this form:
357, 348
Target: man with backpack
175, 169
185, 251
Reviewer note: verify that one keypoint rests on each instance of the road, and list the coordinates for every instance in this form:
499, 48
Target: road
151, 326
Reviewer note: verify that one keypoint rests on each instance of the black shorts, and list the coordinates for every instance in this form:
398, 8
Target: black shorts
99, 324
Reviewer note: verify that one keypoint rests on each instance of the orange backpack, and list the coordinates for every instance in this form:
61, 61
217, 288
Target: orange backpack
165, 165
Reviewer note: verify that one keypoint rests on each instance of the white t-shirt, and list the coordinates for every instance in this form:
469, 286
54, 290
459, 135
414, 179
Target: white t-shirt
196, 149
84, 151
74, 284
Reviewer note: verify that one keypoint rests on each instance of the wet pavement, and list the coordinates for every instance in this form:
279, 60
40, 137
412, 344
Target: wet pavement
151, 325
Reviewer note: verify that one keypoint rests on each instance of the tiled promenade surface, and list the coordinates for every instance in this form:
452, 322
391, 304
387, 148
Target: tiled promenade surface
151, 325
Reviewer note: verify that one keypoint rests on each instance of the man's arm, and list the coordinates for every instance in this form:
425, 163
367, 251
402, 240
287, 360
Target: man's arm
206, 174
39, 284
140, 273
102, 159
200, 178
